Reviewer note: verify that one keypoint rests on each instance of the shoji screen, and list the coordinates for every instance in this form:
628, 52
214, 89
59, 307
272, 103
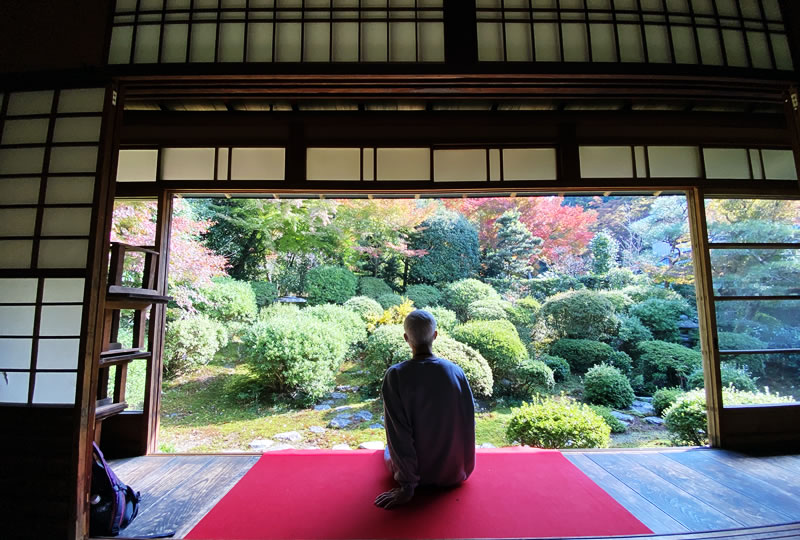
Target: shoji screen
48, 176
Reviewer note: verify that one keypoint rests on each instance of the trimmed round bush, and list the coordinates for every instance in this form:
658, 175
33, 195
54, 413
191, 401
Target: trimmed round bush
330, 285
524, 311
228, 300
664, 364
582, 314
424, 295
730, 375
475, 366
393, 315
612, 421
582, 353
498, 342
488, 309
265, 292
661, 317
459, 295
621, 301
619, 278
558, 423
350, 325
452, 249
532, 377
664, 398
296, 356
631, 333
640, 293
191, 342
373, 287
753, 363
388, 300
559, 366
621, 361
445, 319
607, 385
385, 347
279, 310
365, 306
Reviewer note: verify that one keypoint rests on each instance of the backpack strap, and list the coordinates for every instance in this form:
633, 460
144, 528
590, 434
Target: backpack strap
118, 486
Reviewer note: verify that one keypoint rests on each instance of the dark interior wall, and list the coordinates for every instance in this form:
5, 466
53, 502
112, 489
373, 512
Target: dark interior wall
52, 34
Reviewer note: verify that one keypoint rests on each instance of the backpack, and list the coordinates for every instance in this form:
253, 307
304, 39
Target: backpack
114, 504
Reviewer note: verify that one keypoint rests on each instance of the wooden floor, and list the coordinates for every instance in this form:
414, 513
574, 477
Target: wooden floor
673, 492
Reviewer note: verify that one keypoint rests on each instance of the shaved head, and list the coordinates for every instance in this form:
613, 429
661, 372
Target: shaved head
420, 327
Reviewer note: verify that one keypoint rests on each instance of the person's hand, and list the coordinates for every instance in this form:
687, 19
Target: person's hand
394, 497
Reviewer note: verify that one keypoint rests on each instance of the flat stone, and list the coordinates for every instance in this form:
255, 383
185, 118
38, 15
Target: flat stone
289, 436
341, 447
317, 429
347, 388
376, 426
279, 446
655, 420
341, 421
642, 407
259, 445
343, 408
487, 445
644, 398
371, 445
622, 416
338, 395
322, 407
363, 416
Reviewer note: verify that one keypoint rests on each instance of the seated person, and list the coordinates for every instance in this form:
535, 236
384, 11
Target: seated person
430, 417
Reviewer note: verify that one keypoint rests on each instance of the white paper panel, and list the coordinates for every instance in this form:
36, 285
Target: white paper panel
402, 42
547, 42
518, 42
576, 46
21, 160
63, 290
779, 164
137, 165
58, 354
259, 42
231, 42
176, 41
735, 48
15, 253
63, 253
345, 42
529, 164
69, 190
603, 43
683, 44
606, 162
726, 163
120, 50
187, 164
77, 129
459, 165
287, 42
18, 290
55, 388
674, 161
17, 221
404, 164
783, 55
222, 163
373, 42
657, 38
29, 131
81, 100
20, 103
16, 320
430, 37
710, 46
631, 48
73, 159
60, 321
333, 163
490, 42
15, 354
316, 47
204, 42
755, 164
369, 164
258, 164
494, 164
16, 389
759, 50
147, 38
19, 190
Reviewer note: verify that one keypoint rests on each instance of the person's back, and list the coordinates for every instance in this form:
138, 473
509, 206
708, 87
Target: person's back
429, 414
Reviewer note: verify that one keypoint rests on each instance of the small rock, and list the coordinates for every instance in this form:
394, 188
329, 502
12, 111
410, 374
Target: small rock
341, 421
343, 408
338, 395
341, 447
317, 429
622, 416
363, 416
487, 445
347, 388
322, 407
642, 407
655, 420
279, 446
371, 445
289, 436
376, 426
382, 419
327, 402
259, 445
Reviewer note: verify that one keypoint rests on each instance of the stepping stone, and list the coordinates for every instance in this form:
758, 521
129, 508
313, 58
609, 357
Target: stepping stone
279, 446
289, 436
363, 416
343, 408
655, 420
260, 445
622, 416
371, 445
376, 426
341, 447
487, 445
317, 429
644, 398
322, 407
338, 395
642, 407
341, 421
347, 388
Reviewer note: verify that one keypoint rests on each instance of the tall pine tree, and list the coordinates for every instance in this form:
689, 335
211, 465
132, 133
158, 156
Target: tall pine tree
515, 248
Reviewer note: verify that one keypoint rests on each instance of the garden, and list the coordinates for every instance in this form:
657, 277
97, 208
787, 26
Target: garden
574, 319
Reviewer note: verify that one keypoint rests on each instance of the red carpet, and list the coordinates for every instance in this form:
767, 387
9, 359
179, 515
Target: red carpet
513, 492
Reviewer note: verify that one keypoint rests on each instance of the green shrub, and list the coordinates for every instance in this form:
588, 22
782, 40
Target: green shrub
612, 421
530, 378
559, 366
365, 306
664, 398
265, 292
640, 293
424, 295
551, 283
607, 385
497, 341
582, 353
664, 364
582, 314
524, 311
228, 300
475, 366
621, 301
393, 315
351, 327
388, 300
445, 319
297, 356
730, 375
661, 317
191, 342
621, 361
631, 333
488, 309
754, 363
279, 310
459, 295
330, 285
619, 278
687, 419
452, 247
373, 287
558, 423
